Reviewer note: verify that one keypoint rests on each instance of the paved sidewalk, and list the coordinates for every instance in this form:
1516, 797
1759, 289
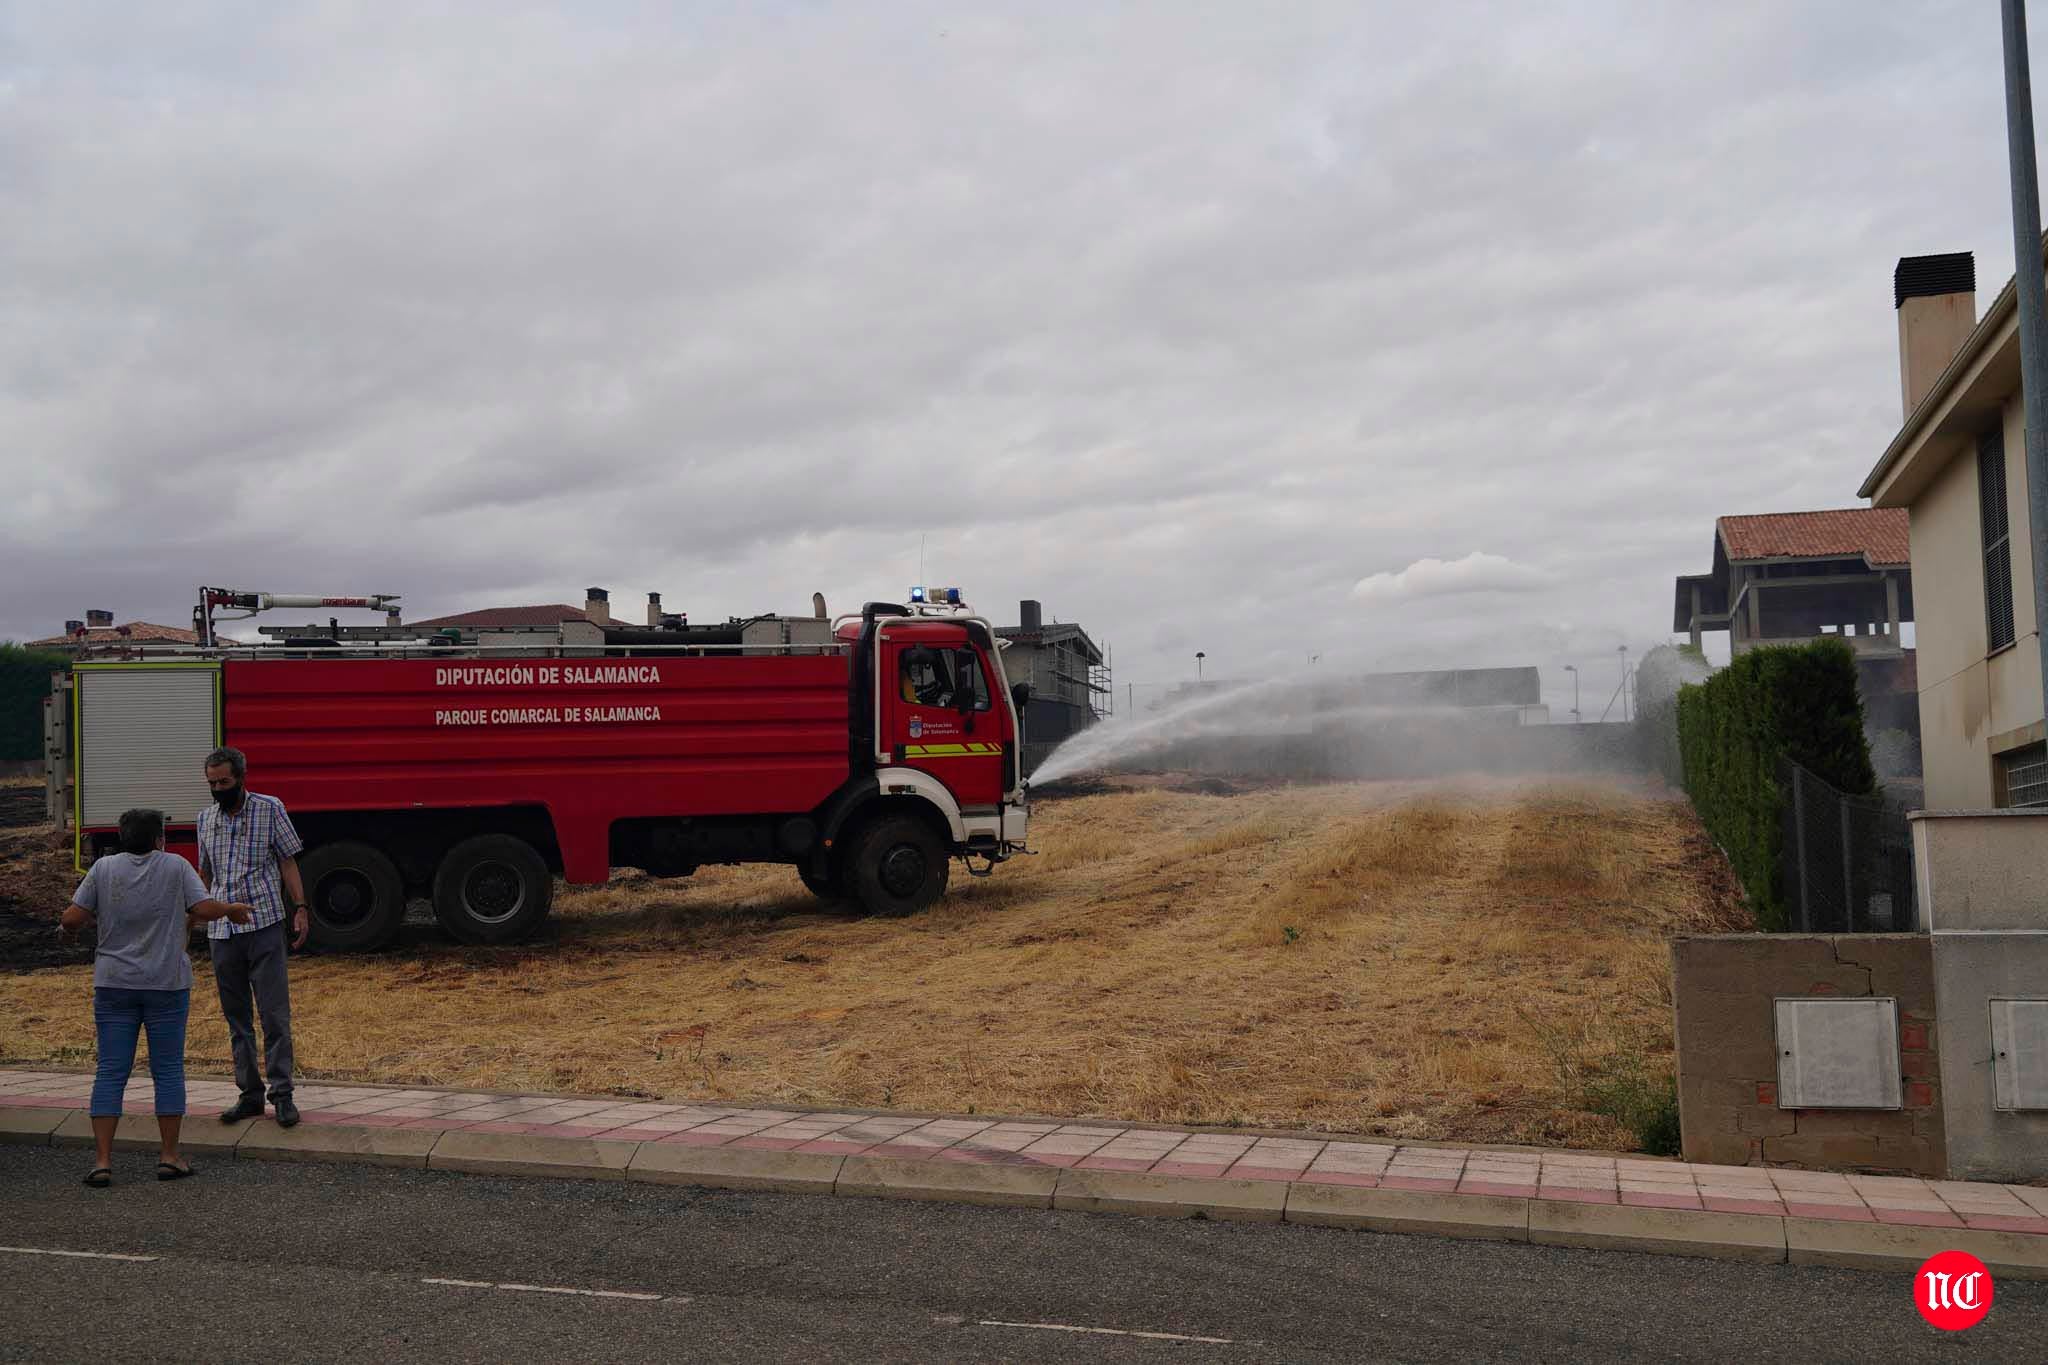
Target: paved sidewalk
1558, 1197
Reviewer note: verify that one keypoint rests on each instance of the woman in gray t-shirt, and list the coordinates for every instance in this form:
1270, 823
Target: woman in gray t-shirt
146, 902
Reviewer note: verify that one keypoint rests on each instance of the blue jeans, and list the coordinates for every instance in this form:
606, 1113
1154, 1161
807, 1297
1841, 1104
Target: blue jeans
119, 1015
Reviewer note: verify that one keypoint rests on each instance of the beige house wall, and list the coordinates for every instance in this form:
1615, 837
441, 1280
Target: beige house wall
1969, 699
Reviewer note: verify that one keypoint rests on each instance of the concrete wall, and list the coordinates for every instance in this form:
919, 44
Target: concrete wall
1981, 869
1725, 986
1969, 971
1965, 697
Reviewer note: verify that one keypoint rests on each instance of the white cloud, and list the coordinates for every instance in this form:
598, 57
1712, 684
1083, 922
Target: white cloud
1475, 573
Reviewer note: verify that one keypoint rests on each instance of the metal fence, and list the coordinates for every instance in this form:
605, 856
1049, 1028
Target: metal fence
1848, 861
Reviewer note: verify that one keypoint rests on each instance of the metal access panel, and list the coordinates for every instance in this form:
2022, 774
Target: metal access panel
141, 736
1838, 1054
2019, 1054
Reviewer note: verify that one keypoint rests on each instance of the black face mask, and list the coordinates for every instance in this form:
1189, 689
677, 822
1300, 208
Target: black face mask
228, 797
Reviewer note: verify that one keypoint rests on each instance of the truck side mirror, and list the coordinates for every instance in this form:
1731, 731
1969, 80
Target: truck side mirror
1020, 696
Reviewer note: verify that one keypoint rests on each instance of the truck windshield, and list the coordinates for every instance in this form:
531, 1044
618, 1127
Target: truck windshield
944, 677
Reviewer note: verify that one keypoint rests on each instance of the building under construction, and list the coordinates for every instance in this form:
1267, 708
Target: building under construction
1069, 676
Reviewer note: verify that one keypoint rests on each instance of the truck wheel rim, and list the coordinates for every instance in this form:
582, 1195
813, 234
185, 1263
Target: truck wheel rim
493, 892
345, 898
903, 871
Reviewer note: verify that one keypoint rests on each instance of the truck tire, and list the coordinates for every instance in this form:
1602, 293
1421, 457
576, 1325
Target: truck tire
898, 866
355, 899
492, 889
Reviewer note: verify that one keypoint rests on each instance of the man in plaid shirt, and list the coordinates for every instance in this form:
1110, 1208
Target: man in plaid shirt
248, 852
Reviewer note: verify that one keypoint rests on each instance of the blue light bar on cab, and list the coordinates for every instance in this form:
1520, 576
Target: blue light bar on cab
917, 594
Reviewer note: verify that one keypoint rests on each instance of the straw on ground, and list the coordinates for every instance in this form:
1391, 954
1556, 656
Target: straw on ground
1392, 958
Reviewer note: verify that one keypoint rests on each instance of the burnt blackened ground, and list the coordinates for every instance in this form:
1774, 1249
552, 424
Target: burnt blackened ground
36, 882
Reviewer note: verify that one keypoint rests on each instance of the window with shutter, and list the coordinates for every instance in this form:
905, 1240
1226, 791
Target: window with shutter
1997, 542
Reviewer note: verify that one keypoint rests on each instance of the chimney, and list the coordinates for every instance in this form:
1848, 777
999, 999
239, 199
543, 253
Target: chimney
654, 611
597, 605
1030, 616
73, 627
99, 620
1937, 301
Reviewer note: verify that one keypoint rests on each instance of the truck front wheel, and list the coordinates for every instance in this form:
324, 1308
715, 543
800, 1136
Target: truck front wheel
898, 866
354, 896
492, 889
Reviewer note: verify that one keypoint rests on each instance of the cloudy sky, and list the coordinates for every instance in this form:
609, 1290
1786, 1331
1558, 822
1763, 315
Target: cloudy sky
1406, 335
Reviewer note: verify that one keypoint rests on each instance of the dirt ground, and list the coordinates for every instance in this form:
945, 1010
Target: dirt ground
1425, 961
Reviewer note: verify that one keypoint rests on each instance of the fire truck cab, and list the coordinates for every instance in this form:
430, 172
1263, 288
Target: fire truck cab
870, 753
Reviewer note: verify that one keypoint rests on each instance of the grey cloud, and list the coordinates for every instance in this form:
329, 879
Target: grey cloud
1182, 318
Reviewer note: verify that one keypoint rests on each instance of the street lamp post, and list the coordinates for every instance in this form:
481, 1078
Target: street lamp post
1573, 669
1623, 650
1199, 656
2033, 295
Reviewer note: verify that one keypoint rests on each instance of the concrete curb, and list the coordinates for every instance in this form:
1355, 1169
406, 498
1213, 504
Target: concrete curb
1864, 1246
1673, 1232
1003, 1184
31, 1127
734, 1168
1170, 1196
1488, 1217
138, 1132
528, 1154
414, 1135
263, 1140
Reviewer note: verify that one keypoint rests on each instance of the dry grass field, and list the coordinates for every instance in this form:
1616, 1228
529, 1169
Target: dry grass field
1425, 961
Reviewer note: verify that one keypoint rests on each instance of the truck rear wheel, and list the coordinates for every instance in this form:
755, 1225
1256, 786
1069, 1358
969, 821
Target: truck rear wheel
898, 866
355, 898
492, 889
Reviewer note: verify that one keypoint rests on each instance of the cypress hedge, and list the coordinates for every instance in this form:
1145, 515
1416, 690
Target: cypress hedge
24, 682
1797, 702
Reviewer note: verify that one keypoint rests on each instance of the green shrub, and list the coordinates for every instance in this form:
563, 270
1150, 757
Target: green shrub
1796, 702
24, 682
1640, 1100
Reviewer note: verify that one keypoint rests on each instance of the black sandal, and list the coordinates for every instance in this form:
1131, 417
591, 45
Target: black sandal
166, 1171
99, 1177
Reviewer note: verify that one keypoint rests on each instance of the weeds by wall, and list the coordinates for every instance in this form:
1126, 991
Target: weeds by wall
1798, 702
24, 682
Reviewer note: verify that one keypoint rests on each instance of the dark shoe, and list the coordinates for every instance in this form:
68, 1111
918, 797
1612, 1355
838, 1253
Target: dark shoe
245, 1108
287, 1112
99, 1177
166, 1171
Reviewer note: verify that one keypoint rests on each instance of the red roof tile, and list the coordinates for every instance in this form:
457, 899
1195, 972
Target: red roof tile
1878, 534
499, 618
135, 632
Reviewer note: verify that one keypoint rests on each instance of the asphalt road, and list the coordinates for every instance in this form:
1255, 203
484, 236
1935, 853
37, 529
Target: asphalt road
270, 1262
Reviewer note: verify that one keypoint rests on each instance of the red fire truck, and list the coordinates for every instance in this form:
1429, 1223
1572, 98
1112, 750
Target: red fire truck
473, 767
